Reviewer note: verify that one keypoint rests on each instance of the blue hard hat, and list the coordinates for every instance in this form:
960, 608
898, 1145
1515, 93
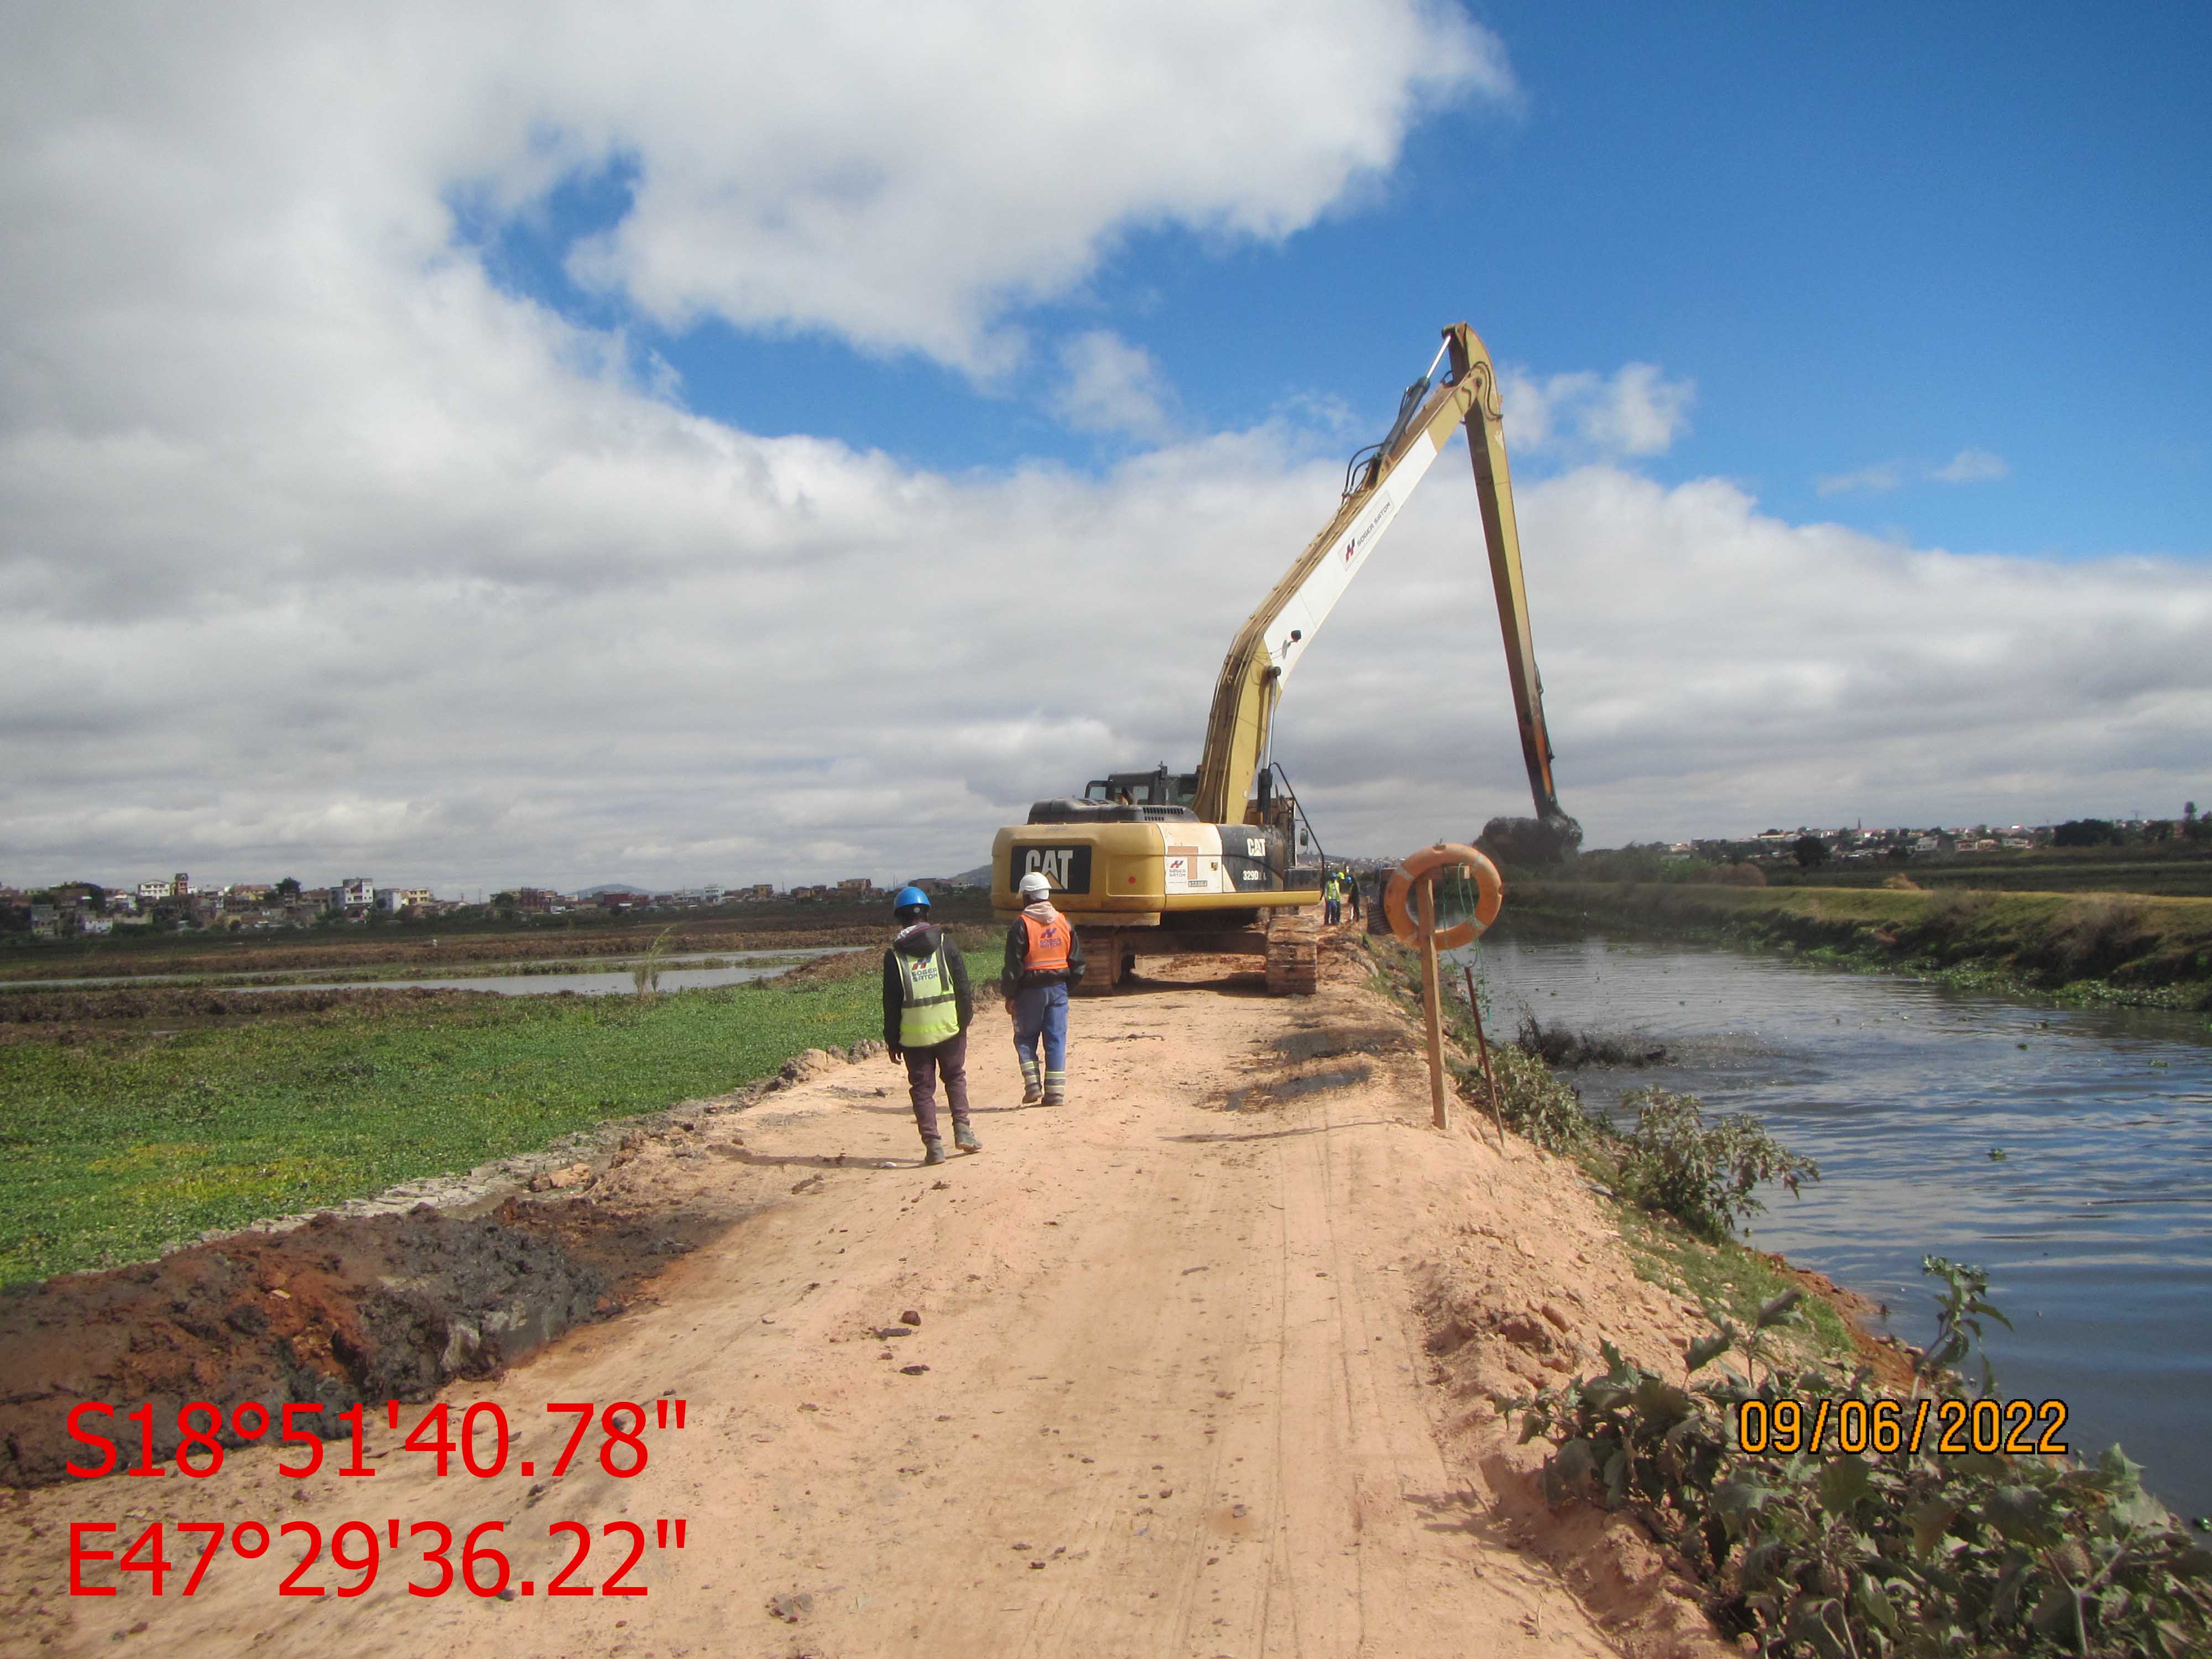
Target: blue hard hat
907, 897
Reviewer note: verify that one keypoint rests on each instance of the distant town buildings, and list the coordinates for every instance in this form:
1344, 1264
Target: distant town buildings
83, 908
93, 909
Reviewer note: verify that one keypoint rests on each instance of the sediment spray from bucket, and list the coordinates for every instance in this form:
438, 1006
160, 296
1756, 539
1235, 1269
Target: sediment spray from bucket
1553, 839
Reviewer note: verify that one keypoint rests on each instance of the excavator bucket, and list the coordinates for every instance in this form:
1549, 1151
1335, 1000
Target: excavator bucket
1527, 842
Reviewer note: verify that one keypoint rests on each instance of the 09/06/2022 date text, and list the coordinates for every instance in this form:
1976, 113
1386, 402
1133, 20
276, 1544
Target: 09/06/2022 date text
1950, 1427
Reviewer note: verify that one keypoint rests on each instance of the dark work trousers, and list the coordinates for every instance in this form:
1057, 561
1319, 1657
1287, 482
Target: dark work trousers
923, 1066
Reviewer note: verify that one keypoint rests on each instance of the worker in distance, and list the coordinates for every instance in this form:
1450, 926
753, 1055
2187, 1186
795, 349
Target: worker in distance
927, 1007
1043, 958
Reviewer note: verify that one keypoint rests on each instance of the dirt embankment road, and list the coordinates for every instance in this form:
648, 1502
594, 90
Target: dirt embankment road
1200, 1369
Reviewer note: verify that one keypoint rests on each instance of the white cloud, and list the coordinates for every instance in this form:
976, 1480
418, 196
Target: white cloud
899, 177
1110, 386
1970, 466
1634, 412
321, 554
1967, 466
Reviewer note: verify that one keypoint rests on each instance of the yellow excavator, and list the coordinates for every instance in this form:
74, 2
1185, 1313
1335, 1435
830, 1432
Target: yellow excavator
1161, 863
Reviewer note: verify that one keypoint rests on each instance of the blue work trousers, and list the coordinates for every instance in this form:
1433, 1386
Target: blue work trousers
1041, 1012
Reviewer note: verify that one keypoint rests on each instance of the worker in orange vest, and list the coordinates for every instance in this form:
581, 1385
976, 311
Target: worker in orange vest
1043, 958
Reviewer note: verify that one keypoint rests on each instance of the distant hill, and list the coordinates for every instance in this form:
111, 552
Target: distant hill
614, 887
978, 877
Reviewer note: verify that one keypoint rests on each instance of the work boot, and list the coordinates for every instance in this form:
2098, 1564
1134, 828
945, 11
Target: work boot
1032, 1080
935, 1153
964, 1137
1055, 1088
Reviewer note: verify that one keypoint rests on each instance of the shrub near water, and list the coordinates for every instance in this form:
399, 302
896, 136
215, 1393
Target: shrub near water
1704, 1174
1893, 1551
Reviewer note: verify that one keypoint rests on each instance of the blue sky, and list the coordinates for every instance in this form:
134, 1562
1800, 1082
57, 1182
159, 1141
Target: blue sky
1873, 240
553, 443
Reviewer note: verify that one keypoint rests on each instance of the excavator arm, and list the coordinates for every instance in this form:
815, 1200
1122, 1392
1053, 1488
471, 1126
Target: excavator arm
1275, 637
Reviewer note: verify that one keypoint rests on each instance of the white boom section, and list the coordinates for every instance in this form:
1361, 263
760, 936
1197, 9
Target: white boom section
1291, 629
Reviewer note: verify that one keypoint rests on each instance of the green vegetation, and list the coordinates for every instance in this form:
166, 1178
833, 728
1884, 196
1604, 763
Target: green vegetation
115, 1148
1813, 1551
2173, 868
1889, 1547
2120, 947
1728, 1279
1531, 1099
1707, 1176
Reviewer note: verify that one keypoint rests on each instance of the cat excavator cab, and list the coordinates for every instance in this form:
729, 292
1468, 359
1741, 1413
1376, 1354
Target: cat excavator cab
1224, 860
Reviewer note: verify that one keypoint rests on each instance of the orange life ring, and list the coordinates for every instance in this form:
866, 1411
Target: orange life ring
1490, 893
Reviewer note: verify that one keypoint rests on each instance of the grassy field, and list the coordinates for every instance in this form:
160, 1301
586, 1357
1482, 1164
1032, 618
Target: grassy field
2132, 945
116, 1146
2179, 870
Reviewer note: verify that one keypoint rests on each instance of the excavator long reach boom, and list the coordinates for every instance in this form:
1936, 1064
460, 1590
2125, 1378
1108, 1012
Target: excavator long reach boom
1276, 636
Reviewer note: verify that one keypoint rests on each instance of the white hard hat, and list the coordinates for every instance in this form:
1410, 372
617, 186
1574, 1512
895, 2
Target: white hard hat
1034, 884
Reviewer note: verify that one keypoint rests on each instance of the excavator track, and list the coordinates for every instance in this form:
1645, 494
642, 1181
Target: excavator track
1104, 964
1293, 952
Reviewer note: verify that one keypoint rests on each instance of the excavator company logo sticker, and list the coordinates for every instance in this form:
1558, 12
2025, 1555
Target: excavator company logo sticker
1068, 868
1368, 530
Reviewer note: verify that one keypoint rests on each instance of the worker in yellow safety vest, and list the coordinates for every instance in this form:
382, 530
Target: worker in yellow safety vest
927, 1007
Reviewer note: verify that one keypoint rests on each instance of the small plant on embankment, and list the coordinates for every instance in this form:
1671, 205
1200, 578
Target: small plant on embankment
1707, 1176
1901, 1546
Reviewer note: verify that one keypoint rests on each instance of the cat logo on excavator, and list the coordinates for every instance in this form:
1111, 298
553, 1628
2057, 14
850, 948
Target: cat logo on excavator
1068, 868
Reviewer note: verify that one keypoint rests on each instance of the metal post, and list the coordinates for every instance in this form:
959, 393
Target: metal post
1432, 1005
1482, 1045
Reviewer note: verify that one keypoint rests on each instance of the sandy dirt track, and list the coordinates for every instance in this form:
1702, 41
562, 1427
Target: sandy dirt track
1183, 1392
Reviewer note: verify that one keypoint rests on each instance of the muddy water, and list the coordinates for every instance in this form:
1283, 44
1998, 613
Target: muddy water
2095, 1224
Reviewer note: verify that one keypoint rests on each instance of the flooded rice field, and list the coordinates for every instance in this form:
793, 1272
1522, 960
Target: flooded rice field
677, 973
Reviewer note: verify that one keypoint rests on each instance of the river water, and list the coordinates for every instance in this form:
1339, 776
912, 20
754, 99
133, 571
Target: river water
2095, 1224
